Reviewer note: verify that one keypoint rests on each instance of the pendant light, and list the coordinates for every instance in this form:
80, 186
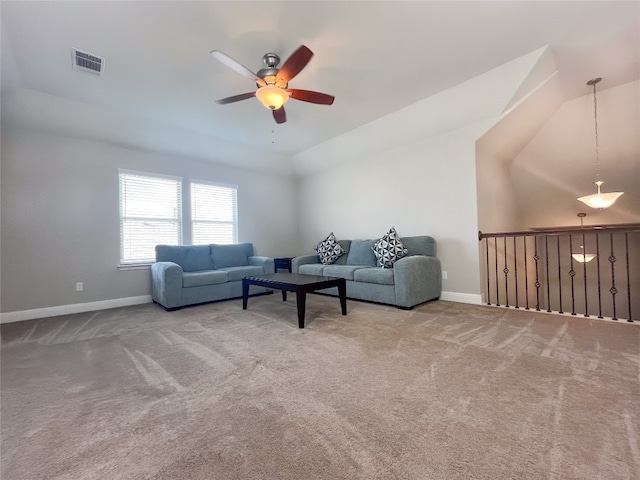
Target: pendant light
582, 256
598, 200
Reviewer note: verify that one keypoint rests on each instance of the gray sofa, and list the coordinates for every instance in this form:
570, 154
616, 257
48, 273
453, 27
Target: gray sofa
413, 279
191, 274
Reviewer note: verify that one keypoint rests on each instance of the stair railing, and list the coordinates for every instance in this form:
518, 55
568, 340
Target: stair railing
588, 271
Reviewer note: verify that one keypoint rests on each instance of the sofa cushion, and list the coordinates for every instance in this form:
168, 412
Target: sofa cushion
361, 253
381, 276
389, 249
207, 277
420, 245
234, 255
329, 250
345, 244
191, 258
236, 273
311, 269
341, 271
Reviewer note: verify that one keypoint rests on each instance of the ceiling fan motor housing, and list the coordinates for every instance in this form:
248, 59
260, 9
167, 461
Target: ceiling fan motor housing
270, 70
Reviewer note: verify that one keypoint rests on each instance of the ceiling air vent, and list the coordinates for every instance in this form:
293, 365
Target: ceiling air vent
87, 62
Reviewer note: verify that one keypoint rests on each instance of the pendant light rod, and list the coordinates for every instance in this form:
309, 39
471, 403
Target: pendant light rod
598, 200
593, 83
582, 256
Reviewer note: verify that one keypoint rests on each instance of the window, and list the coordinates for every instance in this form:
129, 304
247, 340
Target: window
213, 213
150, 214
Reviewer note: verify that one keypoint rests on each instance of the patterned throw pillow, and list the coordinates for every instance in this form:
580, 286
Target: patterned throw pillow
389, 249
329, 250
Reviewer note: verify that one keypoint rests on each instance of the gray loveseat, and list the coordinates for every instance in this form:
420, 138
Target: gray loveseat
191, 274
413, 279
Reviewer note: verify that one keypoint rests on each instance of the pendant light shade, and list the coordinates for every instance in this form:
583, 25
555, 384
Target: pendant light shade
598, 200
583, 257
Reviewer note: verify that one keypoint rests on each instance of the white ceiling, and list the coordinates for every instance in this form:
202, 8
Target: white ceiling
375, 57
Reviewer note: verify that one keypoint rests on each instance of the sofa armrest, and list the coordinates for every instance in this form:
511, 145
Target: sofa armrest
417, 278
166, 284
296, 262
266, 263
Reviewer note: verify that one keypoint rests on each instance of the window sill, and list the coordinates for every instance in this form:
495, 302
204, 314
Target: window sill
134, 266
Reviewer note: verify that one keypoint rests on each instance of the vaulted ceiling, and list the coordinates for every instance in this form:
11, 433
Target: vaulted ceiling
159, 84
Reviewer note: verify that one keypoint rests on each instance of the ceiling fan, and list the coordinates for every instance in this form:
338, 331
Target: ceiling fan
273, 82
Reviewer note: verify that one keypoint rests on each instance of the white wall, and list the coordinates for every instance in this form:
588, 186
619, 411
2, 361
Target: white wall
499, 202
414, 169
558, 165
424, 188
60, 217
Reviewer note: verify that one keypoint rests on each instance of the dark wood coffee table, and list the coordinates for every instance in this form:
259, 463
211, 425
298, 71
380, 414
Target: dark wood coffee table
294, 282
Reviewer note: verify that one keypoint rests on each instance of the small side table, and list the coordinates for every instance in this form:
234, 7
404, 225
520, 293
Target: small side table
283, 262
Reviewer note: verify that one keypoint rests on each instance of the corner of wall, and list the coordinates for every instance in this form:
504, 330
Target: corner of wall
543, 68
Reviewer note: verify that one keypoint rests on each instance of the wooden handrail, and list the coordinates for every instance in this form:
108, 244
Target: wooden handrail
618, 228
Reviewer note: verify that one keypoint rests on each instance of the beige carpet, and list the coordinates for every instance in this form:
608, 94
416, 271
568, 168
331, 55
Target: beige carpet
446, 391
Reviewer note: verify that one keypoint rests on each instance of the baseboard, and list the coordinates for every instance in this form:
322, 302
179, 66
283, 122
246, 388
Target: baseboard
19, 316
472, 298
10, 317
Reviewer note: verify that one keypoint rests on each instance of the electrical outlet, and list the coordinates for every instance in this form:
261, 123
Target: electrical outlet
444, 274
79, 286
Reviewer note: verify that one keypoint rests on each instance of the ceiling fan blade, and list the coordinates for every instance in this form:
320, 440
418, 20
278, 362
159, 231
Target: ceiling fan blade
294, 64
236, 98
238, 67
279, 115
311, 97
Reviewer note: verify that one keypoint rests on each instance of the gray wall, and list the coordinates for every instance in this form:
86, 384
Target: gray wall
500, 203
421, 170
60, 216
424, 188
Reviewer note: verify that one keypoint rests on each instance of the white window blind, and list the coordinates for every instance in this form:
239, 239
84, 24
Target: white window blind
150, 214
214, 215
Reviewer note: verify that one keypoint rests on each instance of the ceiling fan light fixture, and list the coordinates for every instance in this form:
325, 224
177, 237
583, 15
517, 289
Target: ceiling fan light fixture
272, 97
273, 83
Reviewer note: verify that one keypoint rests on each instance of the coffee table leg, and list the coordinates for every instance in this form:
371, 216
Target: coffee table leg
342, 292
284, 295
245, 293
301, 300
